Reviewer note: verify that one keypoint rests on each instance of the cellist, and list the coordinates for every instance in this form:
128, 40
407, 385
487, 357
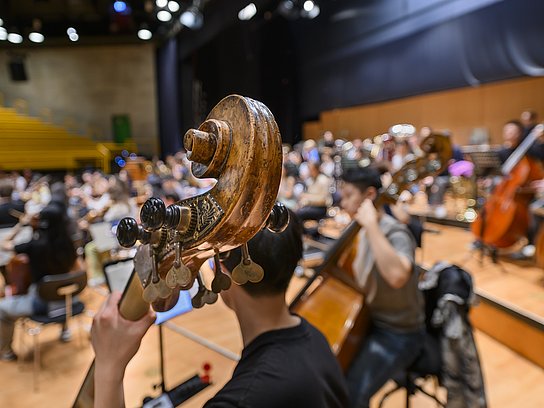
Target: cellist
513, 133
384, 269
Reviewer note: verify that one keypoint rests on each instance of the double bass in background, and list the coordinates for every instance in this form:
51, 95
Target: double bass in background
504, 219
331, 300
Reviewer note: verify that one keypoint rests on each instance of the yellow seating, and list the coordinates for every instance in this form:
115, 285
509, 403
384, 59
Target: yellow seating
27, 142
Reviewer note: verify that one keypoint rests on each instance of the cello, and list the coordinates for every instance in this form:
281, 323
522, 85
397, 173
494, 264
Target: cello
331, 300
504, 218
239, 145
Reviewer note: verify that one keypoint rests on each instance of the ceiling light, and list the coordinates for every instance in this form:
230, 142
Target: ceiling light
164, 15
144, 34
161, 3
73, 37
3, 34
173, 6
1, 22
71, 30
192, 18
247, 12
15, 38
36, 37
308, 5
120, 6
314, 12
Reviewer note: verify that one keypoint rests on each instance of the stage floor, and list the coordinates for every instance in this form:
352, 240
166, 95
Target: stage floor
517, 283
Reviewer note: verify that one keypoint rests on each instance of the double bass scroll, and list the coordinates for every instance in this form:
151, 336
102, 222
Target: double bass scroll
239, 145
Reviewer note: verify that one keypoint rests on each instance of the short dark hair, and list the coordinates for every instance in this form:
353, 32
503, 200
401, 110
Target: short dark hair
363, 177
516, 123
6, 187
277, 253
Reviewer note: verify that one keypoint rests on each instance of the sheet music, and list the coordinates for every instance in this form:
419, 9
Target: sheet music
103, 236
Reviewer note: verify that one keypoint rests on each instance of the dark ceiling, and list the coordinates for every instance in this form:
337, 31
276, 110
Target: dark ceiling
96, 21
110, 21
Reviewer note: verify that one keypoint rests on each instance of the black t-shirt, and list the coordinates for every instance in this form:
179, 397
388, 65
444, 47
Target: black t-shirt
284, 368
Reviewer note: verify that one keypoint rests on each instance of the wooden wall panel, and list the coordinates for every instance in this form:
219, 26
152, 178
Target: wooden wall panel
460, 111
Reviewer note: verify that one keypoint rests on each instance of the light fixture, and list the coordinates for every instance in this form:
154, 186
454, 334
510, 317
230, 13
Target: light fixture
144, 34
164, 16
247, 12
3, 34
309, 9
36, 37
192, 18
1, 22
73, 37
161, 3
308, 5
15, 38
71, 30
173, 6
120, 6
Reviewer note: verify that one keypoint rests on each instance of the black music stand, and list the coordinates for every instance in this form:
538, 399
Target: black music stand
487, 163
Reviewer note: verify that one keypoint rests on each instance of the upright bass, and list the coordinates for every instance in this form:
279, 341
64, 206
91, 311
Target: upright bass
239, 144
504, 219
331, 300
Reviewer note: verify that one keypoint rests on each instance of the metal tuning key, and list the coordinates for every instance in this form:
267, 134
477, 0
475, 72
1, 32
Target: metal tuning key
221, 281
203, 296
179, 273
247, 270
151, 291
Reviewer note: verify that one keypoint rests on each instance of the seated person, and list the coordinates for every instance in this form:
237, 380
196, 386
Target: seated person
314, 202
9, 207
285, 362
50, 252
384, 269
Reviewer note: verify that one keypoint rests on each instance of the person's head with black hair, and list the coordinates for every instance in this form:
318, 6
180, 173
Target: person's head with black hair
277, 253
358, 184
511, 133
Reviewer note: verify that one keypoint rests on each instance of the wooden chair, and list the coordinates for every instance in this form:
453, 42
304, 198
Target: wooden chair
50, 289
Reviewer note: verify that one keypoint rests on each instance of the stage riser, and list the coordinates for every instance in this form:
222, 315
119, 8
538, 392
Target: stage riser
522, 333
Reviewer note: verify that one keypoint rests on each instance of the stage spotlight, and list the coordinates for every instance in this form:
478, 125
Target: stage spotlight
247, 12
308, 5
36, 37
1, 22
71, 30
15, 38
144, 34
161, 3
73, 37
164, 16
192, 18
173, 6
120, 6
3, 34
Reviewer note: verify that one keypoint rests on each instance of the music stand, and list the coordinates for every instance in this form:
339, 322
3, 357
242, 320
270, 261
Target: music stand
487, 163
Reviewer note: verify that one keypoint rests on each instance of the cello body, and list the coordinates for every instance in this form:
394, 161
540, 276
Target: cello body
505, 216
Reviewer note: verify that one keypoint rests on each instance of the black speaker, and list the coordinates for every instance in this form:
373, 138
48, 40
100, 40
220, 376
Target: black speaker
17, 71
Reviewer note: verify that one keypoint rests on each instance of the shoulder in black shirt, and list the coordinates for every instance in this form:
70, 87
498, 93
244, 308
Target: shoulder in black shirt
291, 367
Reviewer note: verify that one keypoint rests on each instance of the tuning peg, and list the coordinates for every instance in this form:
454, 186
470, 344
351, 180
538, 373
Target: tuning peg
221, 281
278, 218
204, 295
179, 273
152, 214
128, 232
247, 270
